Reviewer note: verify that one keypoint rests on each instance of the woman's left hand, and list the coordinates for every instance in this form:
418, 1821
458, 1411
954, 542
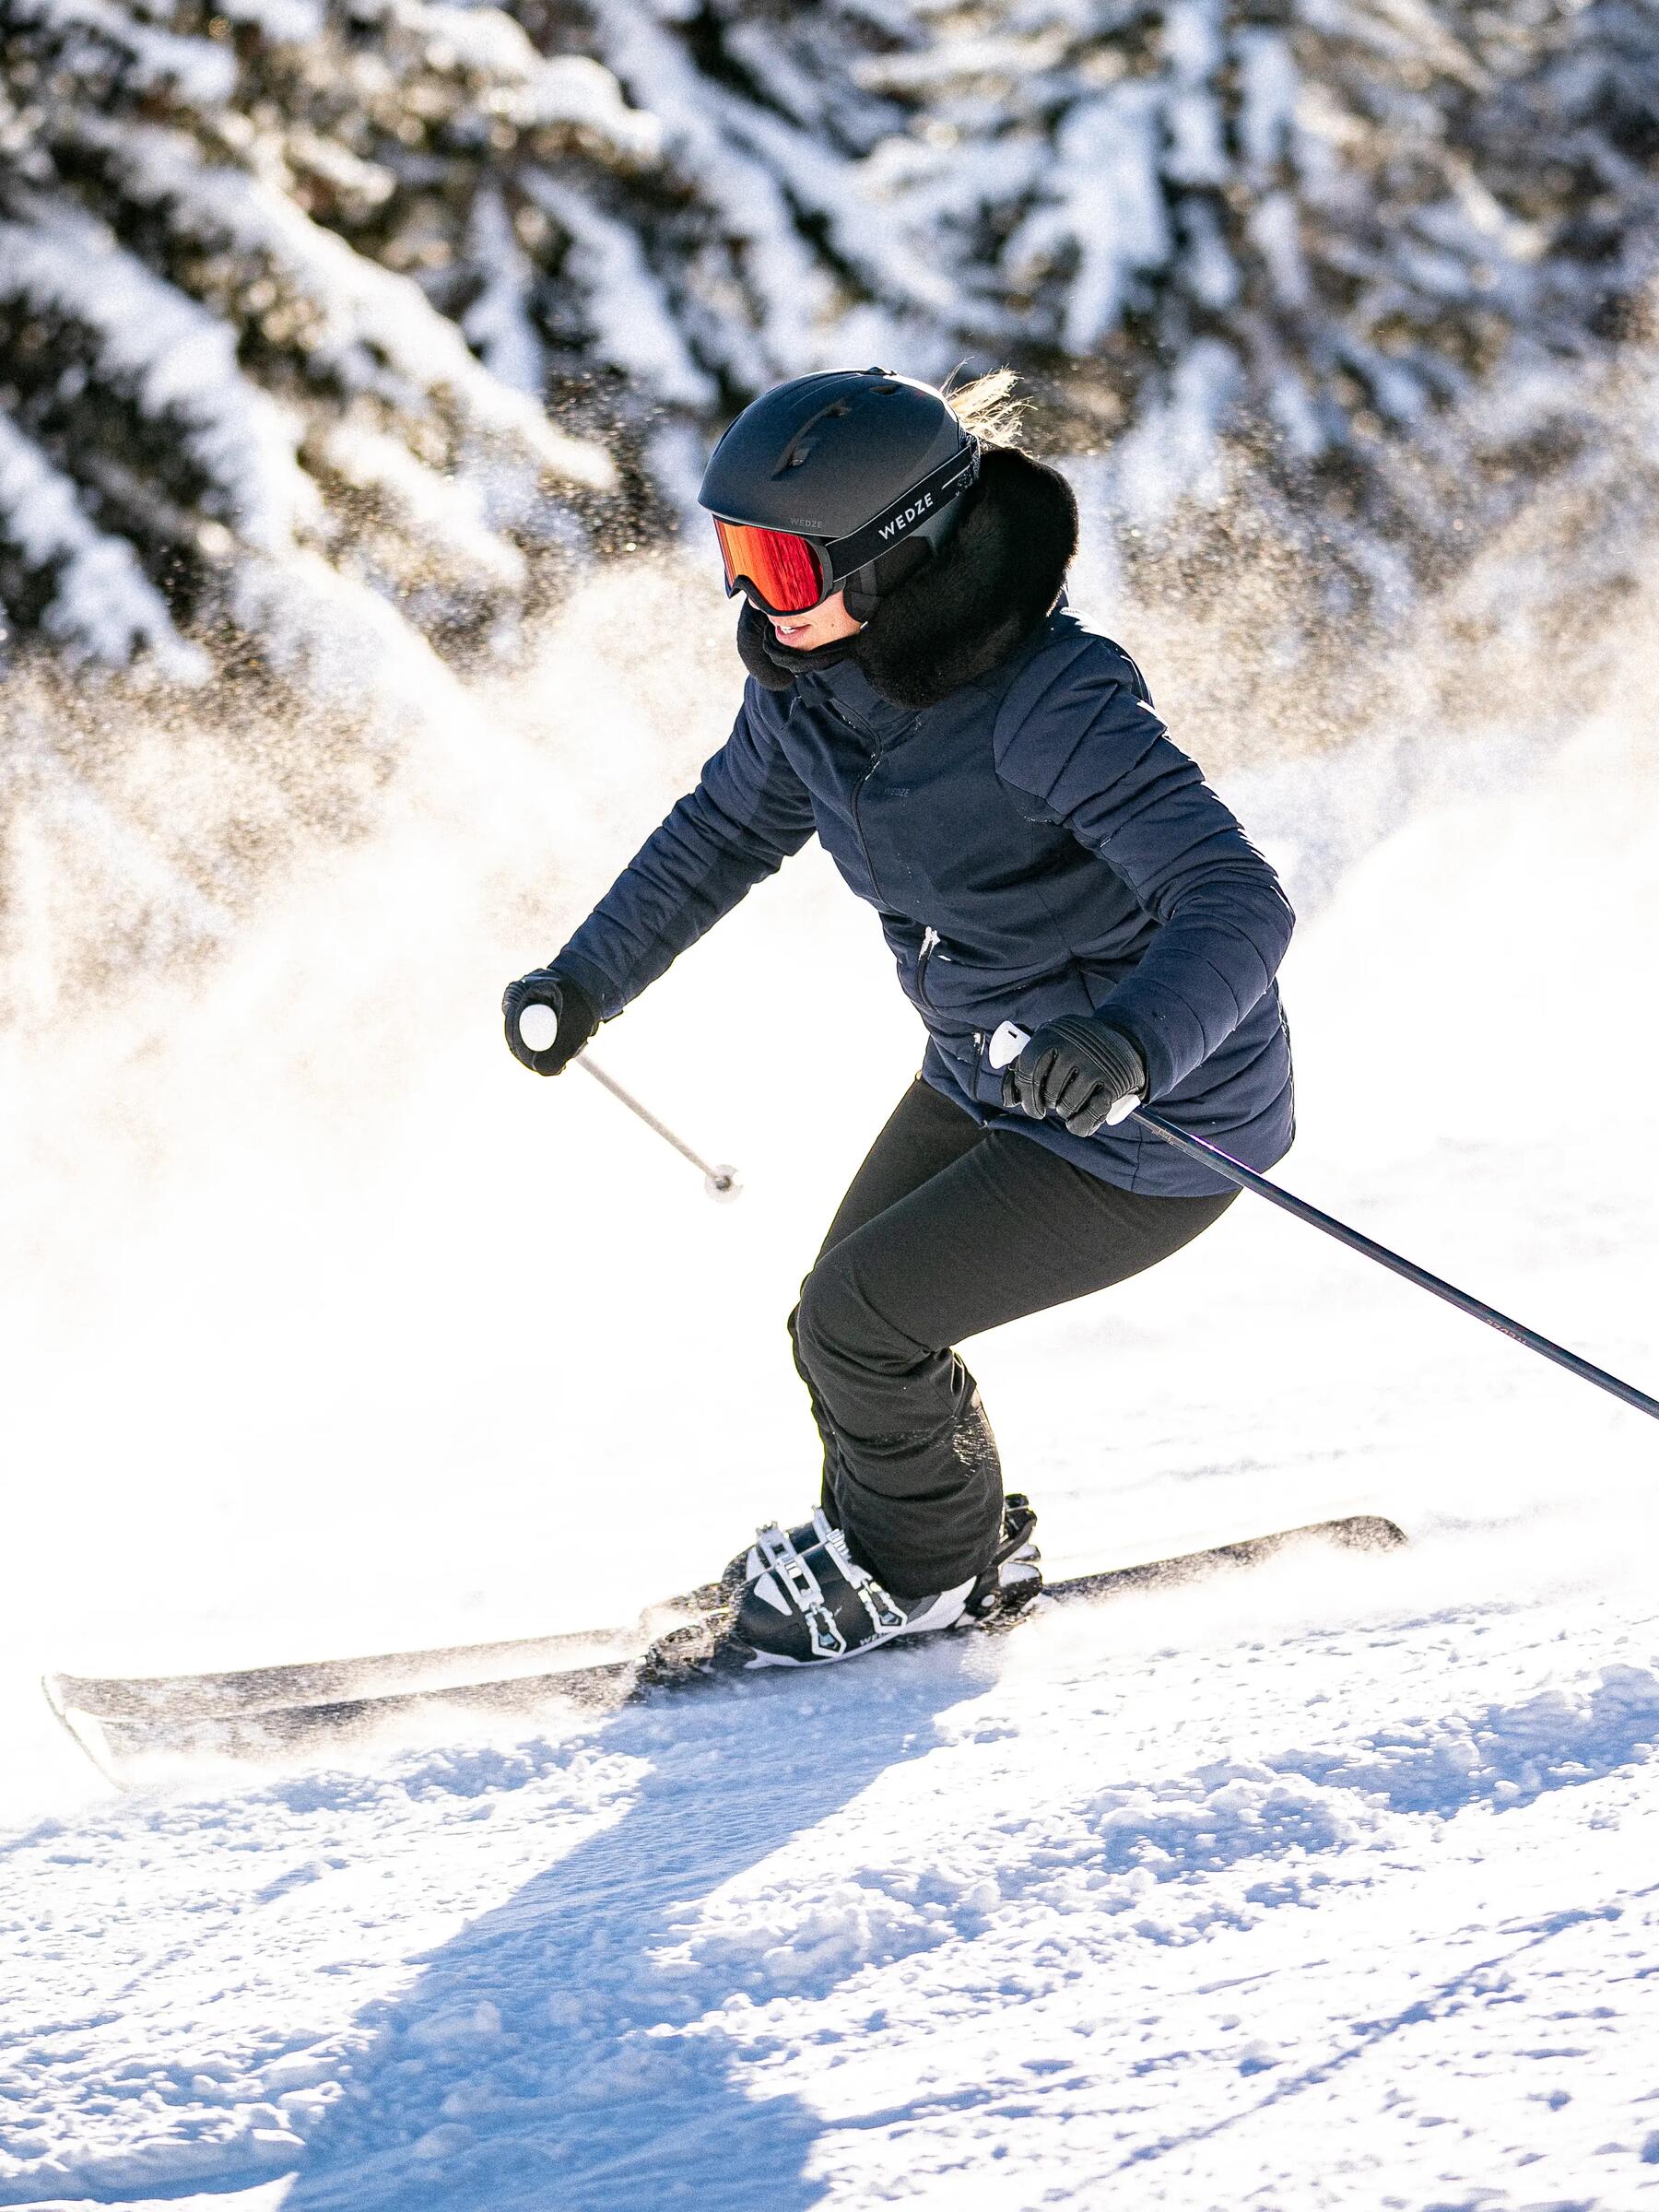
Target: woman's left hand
1080, 1069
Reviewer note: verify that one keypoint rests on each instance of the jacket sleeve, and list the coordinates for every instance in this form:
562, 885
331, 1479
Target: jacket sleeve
748, 813
1096, 757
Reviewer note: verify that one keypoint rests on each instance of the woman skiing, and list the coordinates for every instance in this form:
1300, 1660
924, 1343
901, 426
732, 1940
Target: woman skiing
1055, 882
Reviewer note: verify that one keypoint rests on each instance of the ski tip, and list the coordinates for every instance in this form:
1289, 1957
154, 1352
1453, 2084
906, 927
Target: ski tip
1368, 1532
82, 1728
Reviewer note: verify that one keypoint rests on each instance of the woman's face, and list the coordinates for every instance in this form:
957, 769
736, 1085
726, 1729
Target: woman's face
817, 627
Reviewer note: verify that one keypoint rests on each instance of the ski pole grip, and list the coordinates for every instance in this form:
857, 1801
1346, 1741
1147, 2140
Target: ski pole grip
1006, 1044
537, 1028
1008, 1041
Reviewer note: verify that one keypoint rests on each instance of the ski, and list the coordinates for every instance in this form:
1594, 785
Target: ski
222, 1696
129, 1745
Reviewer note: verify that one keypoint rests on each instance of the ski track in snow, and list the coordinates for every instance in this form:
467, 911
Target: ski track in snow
1330, 1886
1017, 1934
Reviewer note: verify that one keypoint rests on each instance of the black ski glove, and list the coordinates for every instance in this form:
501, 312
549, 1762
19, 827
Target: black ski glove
1079, 1068
578, 1019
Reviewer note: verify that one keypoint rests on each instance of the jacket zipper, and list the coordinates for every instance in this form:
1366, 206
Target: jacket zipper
930, 940
865, 737
858, 821
930, 936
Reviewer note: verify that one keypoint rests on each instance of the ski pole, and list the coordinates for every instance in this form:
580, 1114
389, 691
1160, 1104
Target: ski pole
1234, 1171
720, 1181
538, 1026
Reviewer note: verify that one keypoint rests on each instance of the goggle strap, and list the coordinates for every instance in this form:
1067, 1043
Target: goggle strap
894, 525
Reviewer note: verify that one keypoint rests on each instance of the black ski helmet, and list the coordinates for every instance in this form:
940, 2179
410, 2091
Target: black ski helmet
866, 468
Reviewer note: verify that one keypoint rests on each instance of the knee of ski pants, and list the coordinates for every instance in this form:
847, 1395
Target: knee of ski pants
837, 1331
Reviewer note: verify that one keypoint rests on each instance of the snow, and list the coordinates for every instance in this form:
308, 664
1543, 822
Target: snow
1267, 87
173, 361
1021, 1931
1102, 198
446, 512
573, 88
1330, 1886
101, 601
622, 301
375, 332
112, 40
780, 283
1173, 450
497, 325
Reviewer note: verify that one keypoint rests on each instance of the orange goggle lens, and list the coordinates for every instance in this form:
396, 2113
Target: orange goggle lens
782, 570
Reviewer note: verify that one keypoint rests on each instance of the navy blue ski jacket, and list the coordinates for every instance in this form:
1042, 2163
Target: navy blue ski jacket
1035, 845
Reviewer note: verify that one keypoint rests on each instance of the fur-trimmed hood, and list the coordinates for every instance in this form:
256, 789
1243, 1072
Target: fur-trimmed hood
959, 614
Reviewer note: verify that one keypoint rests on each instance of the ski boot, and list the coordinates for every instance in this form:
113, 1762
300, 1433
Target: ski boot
740, 1570
813, 1604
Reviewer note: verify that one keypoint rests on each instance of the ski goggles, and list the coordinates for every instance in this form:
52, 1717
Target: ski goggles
786, 572
783, 573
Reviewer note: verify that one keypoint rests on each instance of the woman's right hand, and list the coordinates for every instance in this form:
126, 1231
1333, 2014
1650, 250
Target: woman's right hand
577, 1016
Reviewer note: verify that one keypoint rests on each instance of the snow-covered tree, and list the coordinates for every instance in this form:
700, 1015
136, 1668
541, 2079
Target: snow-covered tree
218, 363
1569, 137
308, 281
1307, 214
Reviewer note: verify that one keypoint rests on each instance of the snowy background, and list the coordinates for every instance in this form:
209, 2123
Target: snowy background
343, 674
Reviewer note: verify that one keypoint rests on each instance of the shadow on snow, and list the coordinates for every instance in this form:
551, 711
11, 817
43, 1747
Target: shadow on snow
555, 2053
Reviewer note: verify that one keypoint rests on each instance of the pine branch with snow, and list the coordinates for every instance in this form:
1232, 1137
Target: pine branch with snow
317, 278
1318, 228
214, 335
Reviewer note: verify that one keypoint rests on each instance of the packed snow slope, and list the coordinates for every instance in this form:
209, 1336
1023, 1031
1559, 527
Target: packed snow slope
1330, 1886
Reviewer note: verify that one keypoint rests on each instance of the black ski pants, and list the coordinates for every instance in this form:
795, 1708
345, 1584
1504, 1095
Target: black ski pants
948, 1228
